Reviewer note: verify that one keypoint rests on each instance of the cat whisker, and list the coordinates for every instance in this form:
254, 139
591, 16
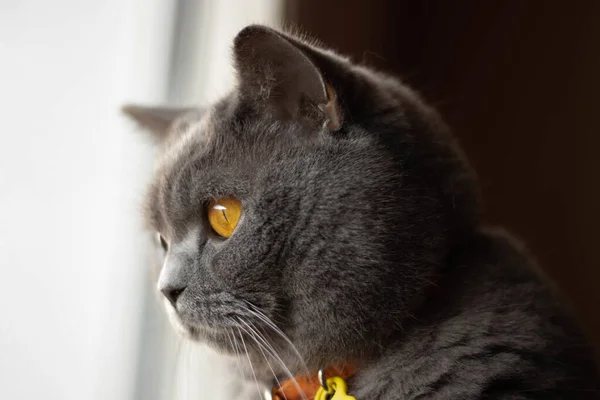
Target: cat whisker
274, 352
256, 335
237, 353
252, 334
267, 321
175, 376
250, 362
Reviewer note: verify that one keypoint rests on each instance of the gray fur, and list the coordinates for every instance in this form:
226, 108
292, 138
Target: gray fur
362, 244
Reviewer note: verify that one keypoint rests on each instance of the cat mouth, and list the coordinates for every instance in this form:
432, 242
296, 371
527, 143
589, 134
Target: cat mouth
218, 338
230, 339
247, 329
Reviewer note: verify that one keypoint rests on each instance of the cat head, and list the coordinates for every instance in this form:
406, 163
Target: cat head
318, 201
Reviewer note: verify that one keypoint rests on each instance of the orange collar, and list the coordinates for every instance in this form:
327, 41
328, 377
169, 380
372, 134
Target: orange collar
309, 384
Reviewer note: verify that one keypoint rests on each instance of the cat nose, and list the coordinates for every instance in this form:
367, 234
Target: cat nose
172, 293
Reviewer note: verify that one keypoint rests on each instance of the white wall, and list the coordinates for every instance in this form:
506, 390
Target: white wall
72, 256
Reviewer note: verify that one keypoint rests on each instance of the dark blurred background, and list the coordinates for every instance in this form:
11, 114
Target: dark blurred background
518, 82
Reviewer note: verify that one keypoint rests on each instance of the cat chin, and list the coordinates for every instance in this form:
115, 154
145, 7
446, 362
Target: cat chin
177, 324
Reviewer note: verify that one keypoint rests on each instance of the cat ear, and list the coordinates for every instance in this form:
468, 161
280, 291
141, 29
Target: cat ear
157, 120
278, 72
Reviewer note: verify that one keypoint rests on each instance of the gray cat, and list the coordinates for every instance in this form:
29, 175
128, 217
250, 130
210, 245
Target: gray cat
322, 214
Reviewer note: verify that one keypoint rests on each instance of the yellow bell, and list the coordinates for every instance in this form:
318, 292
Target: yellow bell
338, 390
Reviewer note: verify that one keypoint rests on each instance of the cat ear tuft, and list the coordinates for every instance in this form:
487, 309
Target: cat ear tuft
157, 120
278, 72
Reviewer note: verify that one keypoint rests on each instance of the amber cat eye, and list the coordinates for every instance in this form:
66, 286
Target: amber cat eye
223, 215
